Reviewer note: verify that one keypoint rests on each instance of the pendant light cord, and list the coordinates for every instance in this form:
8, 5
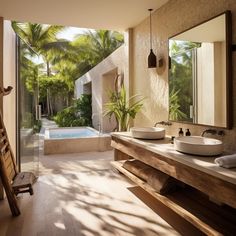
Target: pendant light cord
150, 10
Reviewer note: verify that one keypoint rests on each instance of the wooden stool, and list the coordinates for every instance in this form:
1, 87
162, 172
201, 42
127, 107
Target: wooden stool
13, 181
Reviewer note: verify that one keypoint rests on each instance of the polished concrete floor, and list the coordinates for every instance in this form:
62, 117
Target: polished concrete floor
80, 194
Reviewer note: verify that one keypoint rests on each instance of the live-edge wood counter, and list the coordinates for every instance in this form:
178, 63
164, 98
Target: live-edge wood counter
199, 172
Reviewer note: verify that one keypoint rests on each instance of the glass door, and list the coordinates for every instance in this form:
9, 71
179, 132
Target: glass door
28, 120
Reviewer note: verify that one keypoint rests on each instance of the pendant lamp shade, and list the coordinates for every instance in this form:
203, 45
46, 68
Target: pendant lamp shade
152, 60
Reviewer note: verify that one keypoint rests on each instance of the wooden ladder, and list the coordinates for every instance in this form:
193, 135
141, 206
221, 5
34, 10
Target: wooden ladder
12, 181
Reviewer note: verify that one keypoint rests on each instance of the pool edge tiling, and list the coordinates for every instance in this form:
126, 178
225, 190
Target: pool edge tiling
100, 142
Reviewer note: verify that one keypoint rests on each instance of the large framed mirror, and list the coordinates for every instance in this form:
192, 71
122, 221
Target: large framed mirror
200, 74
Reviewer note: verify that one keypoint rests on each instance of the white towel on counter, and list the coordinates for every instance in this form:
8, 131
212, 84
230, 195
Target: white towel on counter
226, 161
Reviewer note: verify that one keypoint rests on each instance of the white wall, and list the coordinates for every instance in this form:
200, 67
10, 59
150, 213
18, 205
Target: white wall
102, 78
108, 85
220, 83
205, 84
211, 81
9, 79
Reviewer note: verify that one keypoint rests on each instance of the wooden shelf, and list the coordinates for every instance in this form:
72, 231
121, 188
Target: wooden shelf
193, 206
200, 173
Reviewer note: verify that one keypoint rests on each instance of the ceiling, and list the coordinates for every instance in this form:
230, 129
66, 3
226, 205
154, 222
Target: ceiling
95, 14
211, 31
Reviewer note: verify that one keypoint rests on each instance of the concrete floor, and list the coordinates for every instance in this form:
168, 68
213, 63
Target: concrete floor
80, 194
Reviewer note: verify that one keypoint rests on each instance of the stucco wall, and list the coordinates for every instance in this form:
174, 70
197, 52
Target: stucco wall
173, 17
9, 79
102, 78
1, 81
1, 57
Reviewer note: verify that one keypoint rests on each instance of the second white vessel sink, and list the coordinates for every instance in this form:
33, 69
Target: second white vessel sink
148, 132
197, 145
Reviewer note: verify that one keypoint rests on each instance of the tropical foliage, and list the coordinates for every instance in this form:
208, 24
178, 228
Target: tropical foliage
175, 113
49, 66
122, 108
181, 79
41, 39
79, 114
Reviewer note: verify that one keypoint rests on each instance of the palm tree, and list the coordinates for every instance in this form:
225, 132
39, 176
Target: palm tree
29, 77
94, 46
66, 60
86, 51
42, 39
103, 42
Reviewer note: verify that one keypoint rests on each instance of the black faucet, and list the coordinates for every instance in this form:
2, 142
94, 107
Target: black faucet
163, 123
213, 131
209, 131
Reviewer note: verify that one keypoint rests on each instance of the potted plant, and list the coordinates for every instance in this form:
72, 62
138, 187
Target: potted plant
122, 108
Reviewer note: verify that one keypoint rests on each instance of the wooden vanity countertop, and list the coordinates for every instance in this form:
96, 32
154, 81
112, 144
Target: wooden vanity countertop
165, 148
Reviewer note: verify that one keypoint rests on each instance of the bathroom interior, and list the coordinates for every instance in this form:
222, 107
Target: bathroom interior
169, 153
185, 132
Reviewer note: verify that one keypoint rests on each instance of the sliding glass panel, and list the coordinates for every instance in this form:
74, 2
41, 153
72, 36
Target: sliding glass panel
27, 95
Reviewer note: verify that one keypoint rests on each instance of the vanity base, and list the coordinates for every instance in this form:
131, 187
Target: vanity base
178, 166
160, 181
192, 205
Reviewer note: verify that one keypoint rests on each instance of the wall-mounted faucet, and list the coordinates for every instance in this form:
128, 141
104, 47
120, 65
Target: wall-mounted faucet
163, 123
99, 128
209, 131
95, 114
213, 132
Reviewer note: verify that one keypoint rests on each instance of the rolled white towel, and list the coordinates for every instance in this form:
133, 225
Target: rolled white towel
226, 161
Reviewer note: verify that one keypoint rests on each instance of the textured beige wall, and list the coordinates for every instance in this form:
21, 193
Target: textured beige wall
9, 79
102, 77
1, 81
1, 58
173, 17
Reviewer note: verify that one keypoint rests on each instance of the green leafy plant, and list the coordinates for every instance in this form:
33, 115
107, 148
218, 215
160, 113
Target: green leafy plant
124, 110
27, 121
79, 114
175, 113
37, 126
84, 107
61, 61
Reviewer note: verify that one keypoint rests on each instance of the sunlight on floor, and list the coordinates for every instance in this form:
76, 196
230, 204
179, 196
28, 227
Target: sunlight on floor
79, 194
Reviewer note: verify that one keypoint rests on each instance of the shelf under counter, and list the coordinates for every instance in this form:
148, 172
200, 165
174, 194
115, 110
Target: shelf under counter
199, 172
191, 205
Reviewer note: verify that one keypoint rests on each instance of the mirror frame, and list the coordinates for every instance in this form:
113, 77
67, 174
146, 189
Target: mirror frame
229, 85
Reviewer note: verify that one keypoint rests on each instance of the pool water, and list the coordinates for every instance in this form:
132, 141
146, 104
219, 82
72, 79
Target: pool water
75, 140
82, 133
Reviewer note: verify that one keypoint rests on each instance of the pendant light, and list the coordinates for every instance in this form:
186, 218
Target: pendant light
152, 60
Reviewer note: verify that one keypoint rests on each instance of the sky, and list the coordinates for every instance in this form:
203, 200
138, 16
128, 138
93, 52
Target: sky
70, 32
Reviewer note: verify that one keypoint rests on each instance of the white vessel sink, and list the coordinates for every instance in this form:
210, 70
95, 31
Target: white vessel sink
197, 145
148, 132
